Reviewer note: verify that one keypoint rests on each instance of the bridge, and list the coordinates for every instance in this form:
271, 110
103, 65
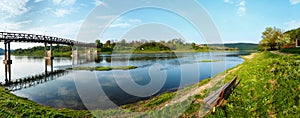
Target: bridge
30, 81
9, 37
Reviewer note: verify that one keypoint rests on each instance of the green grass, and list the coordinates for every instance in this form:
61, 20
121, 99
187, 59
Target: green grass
104, 68
152, 103
292, 50
269, 87
161, 99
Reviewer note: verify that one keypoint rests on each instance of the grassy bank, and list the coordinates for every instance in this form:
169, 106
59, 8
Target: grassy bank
39, 51
269, 87
104, 68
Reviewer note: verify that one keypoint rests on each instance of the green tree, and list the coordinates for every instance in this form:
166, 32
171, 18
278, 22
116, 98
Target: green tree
282, 40
294, 34
194, 46
98, 44
271, 38
122, 42
107, 43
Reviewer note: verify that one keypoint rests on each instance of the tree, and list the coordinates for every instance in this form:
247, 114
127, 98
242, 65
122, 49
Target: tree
271, 38
294, 35
98, 44
122, 42
193, 45
107, 43
282, 40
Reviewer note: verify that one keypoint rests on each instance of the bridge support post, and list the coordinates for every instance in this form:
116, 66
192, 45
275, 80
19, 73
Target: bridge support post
7, 61
88, 54
48, 58
95, 54
74, 55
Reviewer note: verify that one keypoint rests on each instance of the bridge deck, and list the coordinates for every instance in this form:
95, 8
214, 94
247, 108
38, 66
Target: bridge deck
33, 38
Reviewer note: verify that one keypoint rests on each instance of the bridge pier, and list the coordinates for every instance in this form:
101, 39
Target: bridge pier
48, 58
7, 61
88, 54
74, 55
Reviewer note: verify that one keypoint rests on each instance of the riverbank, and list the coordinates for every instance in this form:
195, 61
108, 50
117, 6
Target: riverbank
269, 84
41, 53
104, 68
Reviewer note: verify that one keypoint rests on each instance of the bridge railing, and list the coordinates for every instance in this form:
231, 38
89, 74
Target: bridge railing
33, 38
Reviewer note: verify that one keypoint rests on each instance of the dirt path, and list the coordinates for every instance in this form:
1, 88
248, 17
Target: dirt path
280, 53
249, 56
198, 90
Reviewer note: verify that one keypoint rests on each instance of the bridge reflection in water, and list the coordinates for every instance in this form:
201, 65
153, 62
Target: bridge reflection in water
81, 53
31, 81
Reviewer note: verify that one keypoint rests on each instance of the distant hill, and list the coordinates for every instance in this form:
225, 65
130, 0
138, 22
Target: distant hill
240, 46
295, 33
2, 51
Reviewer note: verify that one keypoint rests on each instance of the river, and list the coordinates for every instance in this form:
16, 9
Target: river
160, 72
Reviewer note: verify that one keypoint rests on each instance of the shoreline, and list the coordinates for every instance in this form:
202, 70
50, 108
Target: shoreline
127, 52
174, 90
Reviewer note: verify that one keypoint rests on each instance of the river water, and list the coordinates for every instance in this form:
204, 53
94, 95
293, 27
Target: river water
156, 73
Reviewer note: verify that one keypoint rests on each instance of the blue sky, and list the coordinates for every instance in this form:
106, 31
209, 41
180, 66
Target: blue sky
236, 20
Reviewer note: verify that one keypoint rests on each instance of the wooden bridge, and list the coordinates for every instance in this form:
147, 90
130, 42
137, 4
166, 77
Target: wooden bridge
217, 98
9, 37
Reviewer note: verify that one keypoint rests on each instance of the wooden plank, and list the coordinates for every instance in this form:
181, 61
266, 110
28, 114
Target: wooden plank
212, 99
222, 93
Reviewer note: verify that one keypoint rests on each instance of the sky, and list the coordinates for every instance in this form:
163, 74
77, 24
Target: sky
87, 20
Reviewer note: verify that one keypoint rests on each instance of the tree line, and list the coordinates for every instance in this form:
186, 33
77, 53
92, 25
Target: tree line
152, 45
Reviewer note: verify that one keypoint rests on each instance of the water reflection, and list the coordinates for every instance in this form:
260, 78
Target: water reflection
61, 91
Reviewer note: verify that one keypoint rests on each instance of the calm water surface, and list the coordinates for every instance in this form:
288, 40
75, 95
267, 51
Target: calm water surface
61, 92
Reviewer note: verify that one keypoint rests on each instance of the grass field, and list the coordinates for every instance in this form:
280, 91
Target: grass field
269, 87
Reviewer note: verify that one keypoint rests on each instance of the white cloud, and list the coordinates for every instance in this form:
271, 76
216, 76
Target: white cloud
293, 2
62, 12
9, 26
227, 1
99, 3
120, 23
63, 30
11, 8
36, 1
292, 24
64, 2
242, 8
